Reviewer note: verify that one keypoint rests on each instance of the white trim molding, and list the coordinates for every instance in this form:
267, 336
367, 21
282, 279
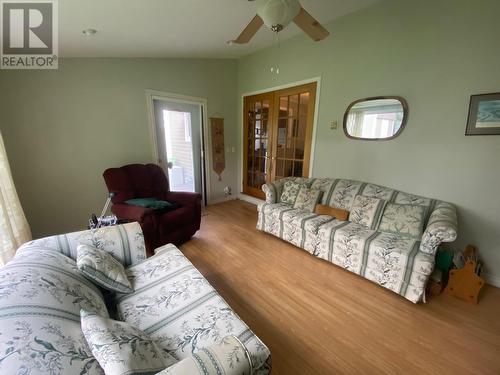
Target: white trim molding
316, 80
492, 279
206, 154
250, 199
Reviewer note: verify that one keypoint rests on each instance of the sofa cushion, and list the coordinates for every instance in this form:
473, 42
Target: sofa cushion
342, 193
307, 199
177, 307
104, 270
121, 348
290, 192
367, 211
228, 357
403, 219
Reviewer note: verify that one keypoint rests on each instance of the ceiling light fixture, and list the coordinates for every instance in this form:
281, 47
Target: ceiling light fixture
89, 32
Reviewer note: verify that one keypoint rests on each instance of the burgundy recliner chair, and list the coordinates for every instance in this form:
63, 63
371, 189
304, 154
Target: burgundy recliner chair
149, 181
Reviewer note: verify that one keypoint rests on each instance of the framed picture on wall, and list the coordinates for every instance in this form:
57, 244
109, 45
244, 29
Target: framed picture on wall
484, 115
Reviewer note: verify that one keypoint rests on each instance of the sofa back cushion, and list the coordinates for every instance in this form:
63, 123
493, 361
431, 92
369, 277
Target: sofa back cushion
367, 211
124, 242
340, 193
404, 219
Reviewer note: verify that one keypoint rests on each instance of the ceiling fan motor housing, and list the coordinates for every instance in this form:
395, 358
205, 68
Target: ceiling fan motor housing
277, 14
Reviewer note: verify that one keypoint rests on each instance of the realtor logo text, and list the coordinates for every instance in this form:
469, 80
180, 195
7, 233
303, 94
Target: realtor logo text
29, 37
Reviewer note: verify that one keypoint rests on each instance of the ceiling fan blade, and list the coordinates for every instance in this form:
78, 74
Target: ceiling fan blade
251, 29
310, 26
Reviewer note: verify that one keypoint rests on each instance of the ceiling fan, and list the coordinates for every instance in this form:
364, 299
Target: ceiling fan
276, 15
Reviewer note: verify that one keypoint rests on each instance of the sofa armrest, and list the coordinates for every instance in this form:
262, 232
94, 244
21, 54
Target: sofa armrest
125, 242
271, 192
230, 357
130, 212
441, 227
184, 198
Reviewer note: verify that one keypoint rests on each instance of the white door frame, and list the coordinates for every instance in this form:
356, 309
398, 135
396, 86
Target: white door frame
275, 88
152, 95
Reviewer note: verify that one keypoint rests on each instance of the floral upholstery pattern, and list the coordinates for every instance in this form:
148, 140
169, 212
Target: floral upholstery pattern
307, 199
290, 192
41, 294
121, 348
124, 242
177, 307
400, 261
404, 219
442, 227
366, 211
230, 356
100, 267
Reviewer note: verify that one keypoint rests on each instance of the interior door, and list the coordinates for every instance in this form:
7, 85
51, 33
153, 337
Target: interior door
292, 133
278, 129
179, 144
257, 141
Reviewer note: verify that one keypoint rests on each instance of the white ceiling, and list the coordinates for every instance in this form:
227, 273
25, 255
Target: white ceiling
174, 28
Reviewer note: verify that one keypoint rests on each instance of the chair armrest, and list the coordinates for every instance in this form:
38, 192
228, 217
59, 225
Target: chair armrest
441, 227
184, 198
271, 192
125, 242
130, 212
230, 357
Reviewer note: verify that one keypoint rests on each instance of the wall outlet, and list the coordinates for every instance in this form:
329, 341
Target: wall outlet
333, 125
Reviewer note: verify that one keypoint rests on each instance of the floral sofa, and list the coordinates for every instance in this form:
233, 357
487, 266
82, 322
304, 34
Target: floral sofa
379, 253
42, 292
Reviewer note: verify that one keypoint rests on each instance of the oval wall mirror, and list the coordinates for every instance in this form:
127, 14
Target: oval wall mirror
377, 118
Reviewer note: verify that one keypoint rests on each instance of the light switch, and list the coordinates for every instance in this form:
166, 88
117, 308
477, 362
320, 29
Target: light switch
233, 149
333, 125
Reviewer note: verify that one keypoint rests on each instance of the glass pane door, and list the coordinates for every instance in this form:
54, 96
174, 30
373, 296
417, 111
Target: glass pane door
277, 136
257, 143
294, 118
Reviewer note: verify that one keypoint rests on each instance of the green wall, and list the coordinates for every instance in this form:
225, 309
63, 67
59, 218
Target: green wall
433, 53
63, 128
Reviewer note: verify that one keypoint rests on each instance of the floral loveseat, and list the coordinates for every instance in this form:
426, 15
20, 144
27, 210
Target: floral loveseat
42, 292
381, 254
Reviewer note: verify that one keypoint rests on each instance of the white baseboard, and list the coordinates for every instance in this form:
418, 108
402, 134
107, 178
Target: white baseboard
220, 200
250, 199
492, 279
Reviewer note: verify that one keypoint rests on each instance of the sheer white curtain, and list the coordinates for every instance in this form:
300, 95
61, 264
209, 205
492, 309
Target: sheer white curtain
14, 229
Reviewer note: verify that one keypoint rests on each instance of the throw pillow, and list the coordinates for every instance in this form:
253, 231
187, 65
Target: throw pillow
403, 219
337, 213
307, 199
104, 270
367, 211
121, 348
290, 192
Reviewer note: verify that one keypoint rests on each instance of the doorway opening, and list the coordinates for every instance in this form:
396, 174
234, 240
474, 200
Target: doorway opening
178, 134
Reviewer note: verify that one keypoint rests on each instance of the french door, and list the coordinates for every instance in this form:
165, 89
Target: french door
277, 136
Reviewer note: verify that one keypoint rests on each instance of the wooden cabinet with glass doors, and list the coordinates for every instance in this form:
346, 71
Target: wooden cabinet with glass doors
278, 129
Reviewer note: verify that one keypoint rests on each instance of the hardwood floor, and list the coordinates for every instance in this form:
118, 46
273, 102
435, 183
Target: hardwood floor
317, 318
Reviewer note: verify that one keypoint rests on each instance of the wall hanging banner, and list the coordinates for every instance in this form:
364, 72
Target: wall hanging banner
218, 156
